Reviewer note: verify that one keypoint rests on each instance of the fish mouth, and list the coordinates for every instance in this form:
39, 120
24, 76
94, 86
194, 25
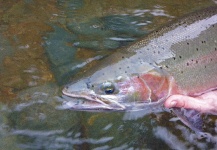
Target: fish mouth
88, 101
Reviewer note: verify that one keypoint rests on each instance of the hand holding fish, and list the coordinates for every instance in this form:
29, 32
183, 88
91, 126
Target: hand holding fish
206, 103
175, 63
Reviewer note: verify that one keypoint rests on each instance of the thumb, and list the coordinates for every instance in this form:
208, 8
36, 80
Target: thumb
182, 101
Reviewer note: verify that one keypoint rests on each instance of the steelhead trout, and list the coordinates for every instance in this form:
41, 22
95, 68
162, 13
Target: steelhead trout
179, 58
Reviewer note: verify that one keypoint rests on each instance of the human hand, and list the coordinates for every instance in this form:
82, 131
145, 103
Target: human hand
205, 103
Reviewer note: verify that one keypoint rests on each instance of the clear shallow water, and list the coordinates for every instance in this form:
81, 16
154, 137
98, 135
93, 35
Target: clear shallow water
44, 44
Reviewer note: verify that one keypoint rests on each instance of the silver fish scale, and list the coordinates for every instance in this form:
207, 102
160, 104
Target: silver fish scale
186, 49
194, 66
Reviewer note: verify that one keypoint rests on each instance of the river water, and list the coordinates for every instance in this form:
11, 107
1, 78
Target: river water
44, 44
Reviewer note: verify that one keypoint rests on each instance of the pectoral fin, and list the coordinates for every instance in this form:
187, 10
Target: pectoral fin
189, 117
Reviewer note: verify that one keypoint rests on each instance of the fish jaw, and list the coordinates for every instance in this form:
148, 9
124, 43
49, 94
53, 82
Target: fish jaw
132, 93
84, 99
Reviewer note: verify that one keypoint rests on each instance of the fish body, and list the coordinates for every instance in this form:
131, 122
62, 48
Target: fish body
179, 58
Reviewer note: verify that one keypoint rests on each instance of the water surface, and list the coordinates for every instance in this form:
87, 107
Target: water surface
44, 44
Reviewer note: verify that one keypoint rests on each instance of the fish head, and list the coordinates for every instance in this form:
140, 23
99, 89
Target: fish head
122, 93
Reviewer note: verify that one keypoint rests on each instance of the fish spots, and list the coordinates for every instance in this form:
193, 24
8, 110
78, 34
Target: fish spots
123, 69
203, 42
203, 61
122, 57
157, 52
197, 49
187, 43
191, 62
180, 56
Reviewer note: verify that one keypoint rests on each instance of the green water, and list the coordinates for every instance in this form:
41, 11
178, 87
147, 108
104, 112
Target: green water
44, 44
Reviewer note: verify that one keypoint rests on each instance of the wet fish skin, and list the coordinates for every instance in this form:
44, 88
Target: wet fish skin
178, 48
130, 93
184, 53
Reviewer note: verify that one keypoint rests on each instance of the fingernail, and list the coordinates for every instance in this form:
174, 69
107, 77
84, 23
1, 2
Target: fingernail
173, 104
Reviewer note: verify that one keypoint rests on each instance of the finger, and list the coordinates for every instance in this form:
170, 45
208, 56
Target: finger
182, 101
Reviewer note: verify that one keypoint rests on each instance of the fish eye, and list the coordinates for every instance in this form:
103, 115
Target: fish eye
108, 87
